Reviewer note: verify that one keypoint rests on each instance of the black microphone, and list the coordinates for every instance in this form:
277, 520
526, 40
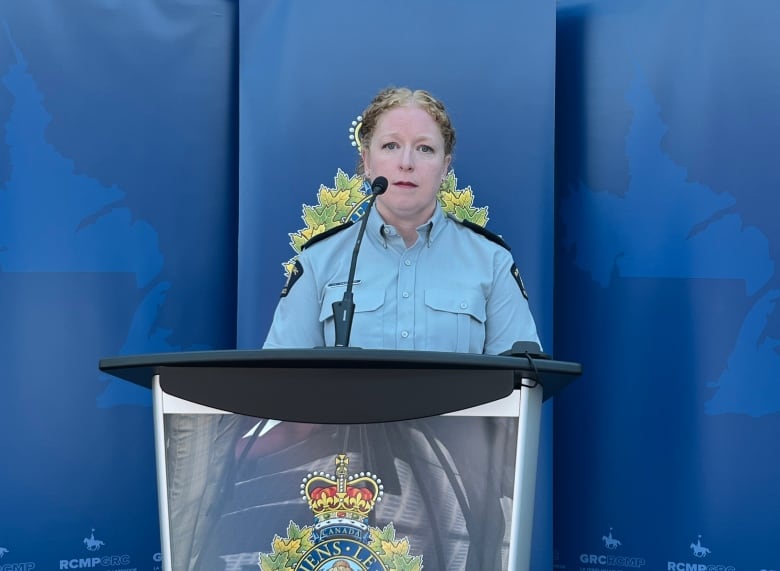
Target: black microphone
344, 310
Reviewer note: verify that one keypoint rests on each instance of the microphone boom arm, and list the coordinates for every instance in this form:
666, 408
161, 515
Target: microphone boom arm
344, 310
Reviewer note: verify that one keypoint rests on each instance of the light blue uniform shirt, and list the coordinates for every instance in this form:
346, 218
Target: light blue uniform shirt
453, 290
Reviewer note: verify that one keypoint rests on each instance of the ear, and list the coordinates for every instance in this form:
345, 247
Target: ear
447, 163
364, 156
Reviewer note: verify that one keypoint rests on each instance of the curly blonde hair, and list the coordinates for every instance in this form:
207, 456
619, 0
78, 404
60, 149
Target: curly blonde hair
392, 97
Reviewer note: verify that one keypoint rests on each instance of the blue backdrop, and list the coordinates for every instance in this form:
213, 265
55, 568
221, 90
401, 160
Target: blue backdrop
117, 236
119, 222
667, 134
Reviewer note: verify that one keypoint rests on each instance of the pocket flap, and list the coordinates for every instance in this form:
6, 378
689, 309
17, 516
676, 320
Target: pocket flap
452, 301
365, 300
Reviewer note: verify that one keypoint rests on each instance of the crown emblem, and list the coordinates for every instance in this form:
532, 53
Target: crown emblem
343, 499
340, 537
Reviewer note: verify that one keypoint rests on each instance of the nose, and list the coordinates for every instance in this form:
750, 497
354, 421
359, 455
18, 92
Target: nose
407, 159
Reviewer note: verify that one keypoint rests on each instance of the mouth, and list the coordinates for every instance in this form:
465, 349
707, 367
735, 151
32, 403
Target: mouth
404, 184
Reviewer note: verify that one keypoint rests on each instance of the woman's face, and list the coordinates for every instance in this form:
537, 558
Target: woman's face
407, 148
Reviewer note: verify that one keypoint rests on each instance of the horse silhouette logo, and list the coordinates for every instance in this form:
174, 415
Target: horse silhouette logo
92, 543
698, 549
3, 551
609, 541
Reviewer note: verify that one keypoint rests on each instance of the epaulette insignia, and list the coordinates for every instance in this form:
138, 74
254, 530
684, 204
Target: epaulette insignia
327, 233
295, 273
516, 274
482, 230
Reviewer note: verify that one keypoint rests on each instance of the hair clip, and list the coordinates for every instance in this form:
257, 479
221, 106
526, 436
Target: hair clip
354, 133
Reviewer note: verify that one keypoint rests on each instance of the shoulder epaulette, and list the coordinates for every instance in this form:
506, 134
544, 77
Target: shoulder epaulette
481, 230
327, 233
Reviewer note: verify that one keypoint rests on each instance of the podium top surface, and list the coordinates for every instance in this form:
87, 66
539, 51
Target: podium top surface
275, 378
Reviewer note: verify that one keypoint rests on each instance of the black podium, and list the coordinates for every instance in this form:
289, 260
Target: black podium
366, 459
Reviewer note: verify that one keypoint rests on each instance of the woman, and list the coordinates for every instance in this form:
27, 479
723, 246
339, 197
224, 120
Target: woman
424, 281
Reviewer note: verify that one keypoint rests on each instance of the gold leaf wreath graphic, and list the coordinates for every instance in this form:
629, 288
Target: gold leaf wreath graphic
343, 202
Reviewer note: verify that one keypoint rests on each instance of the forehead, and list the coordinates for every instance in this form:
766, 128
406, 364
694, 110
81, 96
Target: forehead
408, 120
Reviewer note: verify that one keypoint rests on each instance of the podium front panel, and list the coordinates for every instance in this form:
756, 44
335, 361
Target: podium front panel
240, 492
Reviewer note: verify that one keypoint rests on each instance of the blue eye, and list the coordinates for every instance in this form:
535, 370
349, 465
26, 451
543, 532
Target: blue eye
390, 146
426, 149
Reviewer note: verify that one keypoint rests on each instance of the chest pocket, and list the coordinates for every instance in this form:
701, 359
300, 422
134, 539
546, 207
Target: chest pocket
367, 325
455, 320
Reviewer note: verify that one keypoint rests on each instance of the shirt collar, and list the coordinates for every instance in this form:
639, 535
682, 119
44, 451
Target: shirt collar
379, 230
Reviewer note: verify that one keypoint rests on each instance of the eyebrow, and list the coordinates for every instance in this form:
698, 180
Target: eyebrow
395, 135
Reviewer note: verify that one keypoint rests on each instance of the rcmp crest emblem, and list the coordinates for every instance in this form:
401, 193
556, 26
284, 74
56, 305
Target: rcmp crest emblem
340, 538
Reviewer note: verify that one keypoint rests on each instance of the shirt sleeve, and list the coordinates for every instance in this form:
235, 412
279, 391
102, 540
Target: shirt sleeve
296, 323
508, 315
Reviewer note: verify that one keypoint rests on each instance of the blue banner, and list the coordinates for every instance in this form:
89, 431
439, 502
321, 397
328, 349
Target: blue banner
667, 285
308, 70
117, 233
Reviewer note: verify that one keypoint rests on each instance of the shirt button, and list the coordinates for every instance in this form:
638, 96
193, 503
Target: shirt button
463, 305
405, 294
404, 334
407, 262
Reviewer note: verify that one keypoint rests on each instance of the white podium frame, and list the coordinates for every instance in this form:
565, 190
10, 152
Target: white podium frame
532, 382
